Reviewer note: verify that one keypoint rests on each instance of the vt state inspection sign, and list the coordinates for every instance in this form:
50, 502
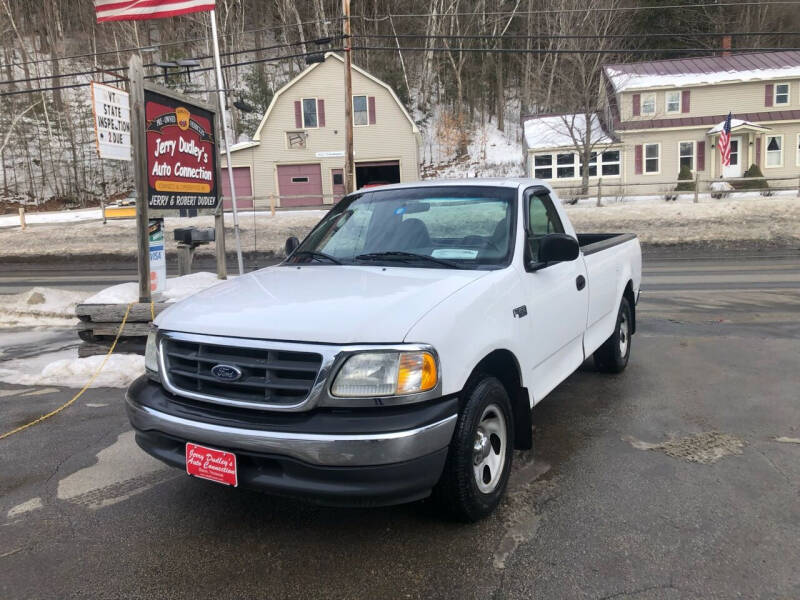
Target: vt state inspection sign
112, 121
181, 154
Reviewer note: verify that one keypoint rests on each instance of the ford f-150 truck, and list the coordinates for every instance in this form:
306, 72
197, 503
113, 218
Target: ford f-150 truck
396, 353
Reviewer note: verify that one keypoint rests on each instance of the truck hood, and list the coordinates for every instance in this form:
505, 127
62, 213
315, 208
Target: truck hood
318, 303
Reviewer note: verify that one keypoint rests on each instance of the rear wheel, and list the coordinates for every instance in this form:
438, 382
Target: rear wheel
613, 355
479, 460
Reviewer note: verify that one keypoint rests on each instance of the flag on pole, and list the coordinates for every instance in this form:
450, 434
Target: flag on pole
725, 142
139, 10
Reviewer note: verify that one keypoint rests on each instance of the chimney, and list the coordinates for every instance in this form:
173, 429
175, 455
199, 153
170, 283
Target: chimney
726, 45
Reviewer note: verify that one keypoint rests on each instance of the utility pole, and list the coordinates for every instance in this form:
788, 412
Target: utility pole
348, 103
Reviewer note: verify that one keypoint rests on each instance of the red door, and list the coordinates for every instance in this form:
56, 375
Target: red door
337, 182
244, 188
300, 185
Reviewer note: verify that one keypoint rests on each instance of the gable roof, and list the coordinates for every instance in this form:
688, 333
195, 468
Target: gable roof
553, 131
328, 56
682, 72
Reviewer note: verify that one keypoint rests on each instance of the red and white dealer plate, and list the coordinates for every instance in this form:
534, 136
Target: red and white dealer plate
212, 464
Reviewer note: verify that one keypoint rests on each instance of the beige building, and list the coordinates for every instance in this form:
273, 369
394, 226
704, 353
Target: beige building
297, 152
660, 115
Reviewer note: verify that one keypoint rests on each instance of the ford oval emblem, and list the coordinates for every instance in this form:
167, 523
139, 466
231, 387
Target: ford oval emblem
226, 372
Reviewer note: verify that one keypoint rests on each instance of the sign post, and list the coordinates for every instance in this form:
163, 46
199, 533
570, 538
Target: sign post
139, 141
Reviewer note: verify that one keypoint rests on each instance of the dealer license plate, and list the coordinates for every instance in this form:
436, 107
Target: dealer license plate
212, 464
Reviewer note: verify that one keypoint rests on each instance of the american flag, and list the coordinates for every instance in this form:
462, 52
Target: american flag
725, 142
139, 10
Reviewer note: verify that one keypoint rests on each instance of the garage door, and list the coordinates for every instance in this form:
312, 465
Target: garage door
244, 188
300, 185
370, 174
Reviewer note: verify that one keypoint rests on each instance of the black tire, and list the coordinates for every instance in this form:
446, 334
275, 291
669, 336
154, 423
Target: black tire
613, 355
457, 494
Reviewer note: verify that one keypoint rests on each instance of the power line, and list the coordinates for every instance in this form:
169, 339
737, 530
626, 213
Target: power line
156, 76
567, 51
113, 69
506, 13
176, 43
573, 36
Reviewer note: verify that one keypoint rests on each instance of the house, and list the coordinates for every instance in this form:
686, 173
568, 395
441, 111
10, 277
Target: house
297, 151
663, 114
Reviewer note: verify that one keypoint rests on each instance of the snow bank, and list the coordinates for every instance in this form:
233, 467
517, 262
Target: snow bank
73, 372
61, 216
39, 306
178, 288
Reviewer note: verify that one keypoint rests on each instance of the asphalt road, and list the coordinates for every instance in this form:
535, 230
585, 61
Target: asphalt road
679, 478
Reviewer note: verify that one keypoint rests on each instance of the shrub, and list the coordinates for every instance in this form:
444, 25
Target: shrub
756, 181
686, 182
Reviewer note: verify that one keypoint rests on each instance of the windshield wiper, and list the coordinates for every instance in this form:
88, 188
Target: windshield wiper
407, 257
318, 256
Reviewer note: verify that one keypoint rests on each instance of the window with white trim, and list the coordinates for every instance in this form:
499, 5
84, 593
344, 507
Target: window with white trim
652, 158
797, 146
673, 104
360, 111
781, 93
774, 150
309, 113
567, 165
686, 155
648, 104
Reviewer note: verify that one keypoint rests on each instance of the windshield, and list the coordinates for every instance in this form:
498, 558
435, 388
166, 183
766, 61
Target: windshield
428, 227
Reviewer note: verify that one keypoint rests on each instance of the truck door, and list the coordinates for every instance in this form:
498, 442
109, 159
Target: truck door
557, 299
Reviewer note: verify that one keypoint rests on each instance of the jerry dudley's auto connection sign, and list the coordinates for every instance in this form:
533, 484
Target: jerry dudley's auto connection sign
181, 154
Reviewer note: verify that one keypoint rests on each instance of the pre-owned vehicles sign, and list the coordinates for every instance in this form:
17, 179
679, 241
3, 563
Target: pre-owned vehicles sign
181, 154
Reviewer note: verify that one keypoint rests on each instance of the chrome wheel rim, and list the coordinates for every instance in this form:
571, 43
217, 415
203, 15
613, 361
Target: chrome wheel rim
489, 449
623, 335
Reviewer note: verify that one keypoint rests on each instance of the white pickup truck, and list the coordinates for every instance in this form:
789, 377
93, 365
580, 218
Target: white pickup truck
396, 353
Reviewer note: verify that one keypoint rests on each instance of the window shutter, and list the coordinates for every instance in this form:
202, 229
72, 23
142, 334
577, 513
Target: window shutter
685, 101
637, 157
701, 155
758, 151
768, 94
321, 113
298, 115
371, 102
637, 105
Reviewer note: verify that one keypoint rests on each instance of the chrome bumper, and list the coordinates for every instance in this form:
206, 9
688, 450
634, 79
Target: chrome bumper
314, 448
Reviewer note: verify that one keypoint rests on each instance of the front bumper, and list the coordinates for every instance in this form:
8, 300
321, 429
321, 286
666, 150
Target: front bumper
381, 455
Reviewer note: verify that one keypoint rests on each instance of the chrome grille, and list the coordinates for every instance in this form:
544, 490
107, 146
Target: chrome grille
269, 376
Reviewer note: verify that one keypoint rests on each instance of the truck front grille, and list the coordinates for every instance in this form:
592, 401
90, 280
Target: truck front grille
276, 377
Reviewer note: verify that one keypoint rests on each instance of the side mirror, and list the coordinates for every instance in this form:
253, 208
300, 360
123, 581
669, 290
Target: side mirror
291, 245
553, 248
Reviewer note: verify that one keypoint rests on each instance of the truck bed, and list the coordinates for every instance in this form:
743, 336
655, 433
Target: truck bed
595, 242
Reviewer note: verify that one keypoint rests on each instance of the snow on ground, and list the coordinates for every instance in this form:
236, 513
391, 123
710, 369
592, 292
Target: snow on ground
61, 216
39, 306
177, 289
65, 369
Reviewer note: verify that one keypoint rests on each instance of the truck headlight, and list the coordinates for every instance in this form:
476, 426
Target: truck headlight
151, 355
386, 374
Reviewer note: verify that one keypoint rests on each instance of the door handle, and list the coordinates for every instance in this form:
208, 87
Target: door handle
580, 282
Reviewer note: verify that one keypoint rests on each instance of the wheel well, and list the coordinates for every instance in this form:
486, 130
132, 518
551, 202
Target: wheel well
503, 365
628, 295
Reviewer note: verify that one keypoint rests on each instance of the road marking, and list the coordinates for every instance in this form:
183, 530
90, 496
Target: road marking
122, 470
47, 390
788, 440
96, 404
5, 393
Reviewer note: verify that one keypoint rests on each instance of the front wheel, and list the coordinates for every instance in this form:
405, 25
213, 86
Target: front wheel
479, 460
613, 355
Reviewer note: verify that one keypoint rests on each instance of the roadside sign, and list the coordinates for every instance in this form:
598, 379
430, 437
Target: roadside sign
181, 154
112, 121
158, 259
